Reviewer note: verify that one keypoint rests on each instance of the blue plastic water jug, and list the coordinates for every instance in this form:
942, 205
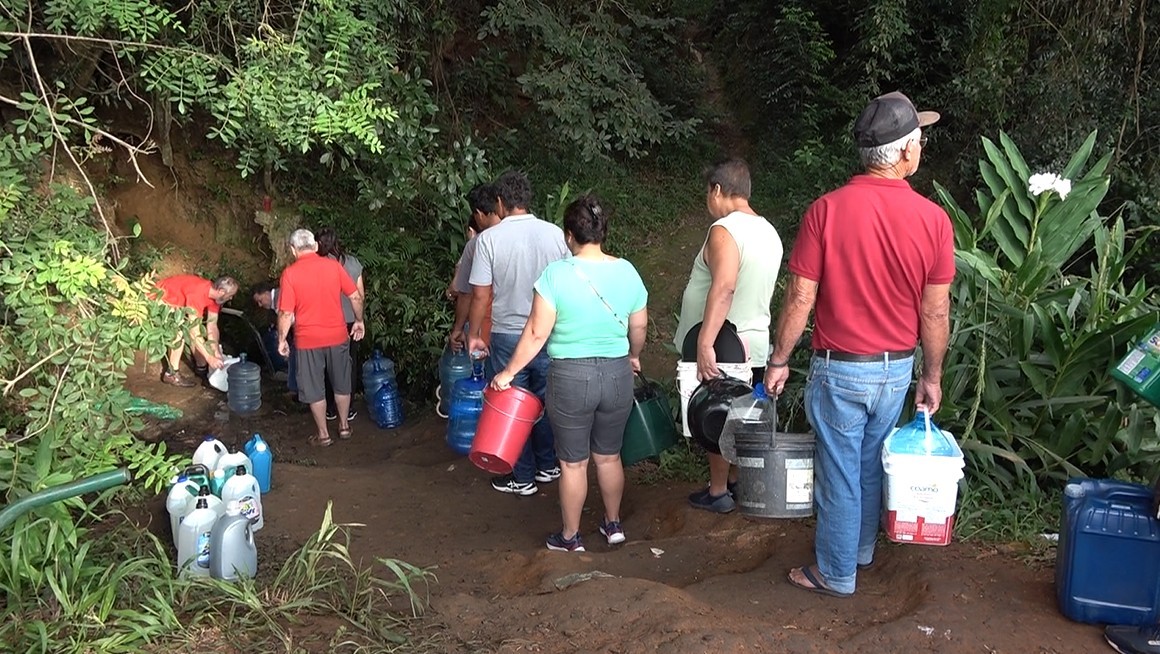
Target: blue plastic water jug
453, 366
375, 372
1107, 565
921, 436
466, 403
387, 406
245, 390
262, 460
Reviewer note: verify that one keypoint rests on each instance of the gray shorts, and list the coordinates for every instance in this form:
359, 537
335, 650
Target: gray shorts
588, 405
313, 367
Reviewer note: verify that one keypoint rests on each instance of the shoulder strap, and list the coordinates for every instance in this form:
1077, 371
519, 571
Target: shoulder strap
584, 276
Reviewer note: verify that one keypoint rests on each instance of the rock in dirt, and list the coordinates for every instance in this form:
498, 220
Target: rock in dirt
568, 581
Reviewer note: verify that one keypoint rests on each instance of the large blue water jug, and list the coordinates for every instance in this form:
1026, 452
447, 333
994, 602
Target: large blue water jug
465, 406
453, 366
262, 460
376, 371
921, 436
1107, 565
386, 407
245, 387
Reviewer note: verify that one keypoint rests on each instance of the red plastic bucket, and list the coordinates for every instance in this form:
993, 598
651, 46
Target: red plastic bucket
503, 429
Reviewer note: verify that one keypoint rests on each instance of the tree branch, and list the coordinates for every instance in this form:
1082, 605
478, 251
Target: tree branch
9, 384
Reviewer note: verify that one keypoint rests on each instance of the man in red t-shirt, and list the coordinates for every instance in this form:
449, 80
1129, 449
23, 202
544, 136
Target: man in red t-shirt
309, 299
877, 259
202, 299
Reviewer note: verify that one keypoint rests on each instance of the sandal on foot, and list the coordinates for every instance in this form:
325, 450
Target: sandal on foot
316, 441
346, 433
815, 582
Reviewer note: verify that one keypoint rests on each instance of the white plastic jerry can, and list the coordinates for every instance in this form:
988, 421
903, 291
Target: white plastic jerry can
227, 465
212, 502
233, 553
177, 502
243, 489
208, 453
193, 540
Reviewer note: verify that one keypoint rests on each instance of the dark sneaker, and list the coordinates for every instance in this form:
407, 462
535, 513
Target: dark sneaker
732, 487
508, 484
201, 371
556, 543
612, 531
548, 476
717, 504
175, 379
331, 414
1134, 640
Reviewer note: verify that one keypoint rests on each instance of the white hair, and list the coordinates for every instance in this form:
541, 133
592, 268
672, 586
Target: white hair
886, 155
302, 239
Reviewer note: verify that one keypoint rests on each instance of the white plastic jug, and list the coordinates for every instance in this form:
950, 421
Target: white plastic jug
243, 488
227, 466
212, 502
208, 453
219, 378
177, 502
193, 540
233, 553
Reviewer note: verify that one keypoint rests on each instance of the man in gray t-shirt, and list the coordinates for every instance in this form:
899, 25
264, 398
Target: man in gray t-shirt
483, 202
508, 260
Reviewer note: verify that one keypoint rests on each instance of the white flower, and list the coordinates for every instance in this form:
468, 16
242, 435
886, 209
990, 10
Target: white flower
1042, 182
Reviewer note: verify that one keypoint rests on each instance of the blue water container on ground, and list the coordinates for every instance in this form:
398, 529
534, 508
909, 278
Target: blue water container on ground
245, 387
387, 406
464, 409
376, 371
1107, 565
262, 459
453, 366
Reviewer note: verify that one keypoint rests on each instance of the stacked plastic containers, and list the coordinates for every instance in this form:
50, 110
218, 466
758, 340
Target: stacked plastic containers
464, 409
215, 505
384, 403
244, 393
923, 466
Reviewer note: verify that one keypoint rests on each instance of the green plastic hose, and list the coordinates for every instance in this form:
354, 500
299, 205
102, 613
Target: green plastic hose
93, 484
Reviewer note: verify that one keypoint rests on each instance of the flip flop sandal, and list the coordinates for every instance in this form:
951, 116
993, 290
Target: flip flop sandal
816, 585
345, 434
319, 442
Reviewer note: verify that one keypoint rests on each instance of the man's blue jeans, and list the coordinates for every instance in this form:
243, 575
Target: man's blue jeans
270, 340
852, 408
540, 451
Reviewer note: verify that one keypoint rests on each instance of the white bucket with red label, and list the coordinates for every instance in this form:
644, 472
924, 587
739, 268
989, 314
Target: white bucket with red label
920, 494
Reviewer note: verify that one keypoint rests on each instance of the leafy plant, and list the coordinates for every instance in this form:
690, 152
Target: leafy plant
1042, 308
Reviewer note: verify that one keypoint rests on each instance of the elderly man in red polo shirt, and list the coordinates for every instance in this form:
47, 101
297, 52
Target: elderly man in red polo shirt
202, 299
309, 299
878, 260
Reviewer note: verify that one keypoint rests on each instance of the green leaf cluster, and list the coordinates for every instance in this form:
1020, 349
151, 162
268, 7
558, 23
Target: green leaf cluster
1043, 307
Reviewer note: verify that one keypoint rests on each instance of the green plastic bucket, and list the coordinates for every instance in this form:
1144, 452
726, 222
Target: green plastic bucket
650, 429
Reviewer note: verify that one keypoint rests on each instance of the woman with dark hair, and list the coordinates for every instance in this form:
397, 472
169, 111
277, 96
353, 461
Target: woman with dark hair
591, 311
330, 246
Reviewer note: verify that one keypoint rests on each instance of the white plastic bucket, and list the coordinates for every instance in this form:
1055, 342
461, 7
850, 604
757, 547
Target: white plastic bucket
920, 495
687, 382
218, 378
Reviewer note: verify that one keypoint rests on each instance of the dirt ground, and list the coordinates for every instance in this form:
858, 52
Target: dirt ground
685, 582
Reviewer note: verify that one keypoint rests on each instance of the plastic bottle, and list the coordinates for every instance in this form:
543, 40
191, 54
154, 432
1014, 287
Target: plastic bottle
227, 465
243, 488
453, 366
262, 460
463, 413
193, 540
387, 408
376, 371
232, 550
245, 387
207, 454
196, 473
922, 437
750, 417
212, 502
177, 503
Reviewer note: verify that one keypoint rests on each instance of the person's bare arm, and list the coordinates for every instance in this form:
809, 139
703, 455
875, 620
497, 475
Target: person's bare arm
800, 296
532, 340
637, 330
480, 296
724, 261
934, 333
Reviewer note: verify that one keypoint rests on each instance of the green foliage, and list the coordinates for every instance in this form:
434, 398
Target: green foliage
577, 67
1021, 513
1038, 319
118, 592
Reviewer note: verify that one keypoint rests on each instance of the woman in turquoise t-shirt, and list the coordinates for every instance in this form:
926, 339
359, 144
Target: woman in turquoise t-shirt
591, 311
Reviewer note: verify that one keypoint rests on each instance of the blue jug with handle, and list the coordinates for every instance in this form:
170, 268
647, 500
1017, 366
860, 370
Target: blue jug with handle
466, 403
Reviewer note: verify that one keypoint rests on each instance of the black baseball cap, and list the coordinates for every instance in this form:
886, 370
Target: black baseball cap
888, 118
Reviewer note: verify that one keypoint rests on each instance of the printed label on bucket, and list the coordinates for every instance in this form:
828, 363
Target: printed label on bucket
799, 483
1128, 365
751, 461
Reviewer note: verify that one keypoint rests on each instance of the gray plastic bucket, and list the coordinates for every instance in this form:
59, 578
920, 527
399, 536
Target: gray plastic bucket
776, 479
